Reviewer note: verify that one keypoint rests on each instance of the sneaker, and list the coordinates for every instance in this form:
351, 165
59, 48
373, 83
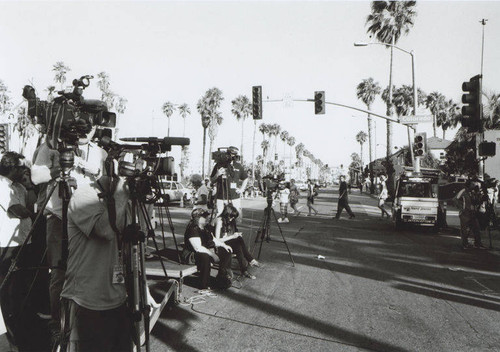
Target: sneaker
466, 246
44, 316
254, 263
280, 220
479, 246
286, 220
248, 275
352, 216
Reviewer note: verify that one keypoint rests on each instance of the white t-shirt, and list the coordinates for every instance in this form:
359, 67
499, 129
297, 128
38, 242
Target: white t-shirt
203, 190
284, 195
13, 231
47, 158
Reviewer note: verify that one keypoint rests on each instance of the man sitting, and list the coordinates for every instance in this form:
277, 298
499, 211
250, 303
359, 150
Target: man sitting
207, 249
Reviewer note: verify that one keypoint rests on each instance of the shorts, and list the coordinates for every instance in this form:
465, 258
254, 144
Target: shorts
381, 202
236, 203
284, 208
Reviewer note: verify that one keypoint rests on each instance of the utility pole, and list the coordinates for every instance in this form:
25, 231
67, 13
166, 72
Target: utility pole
480, 134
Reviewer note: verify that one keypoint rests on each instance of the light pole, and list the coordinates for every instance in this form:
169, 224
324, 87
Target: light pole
415, 101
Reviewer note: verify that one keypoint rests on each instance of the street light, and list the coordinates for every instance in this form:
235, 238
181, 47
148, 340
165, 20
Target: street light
415, 102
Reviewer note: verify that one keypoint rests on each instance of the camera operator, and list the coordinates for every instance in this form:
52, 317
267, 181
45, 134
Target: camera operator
93, 298
468, 201
15, 224
226, 176
88, 166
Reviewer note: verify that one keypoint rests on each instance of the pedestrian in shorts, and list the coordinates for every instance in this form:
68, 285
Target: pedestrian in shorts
284, 197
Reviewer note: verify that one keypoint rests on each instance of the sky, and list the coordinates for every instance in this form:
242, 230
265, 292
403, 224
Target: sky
174, 51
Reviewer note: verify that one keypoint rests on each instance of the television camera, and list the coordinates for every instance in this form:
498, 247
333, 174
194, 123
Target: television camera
144, 162
224, 156
69, 116
272, 181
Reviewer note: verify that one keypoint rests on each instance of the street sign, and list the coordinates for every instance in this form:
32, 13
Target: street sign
412, 119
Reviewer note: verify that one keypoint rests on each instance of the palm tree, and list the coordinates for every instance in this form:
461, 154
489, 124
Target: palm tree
284, 137
104, 86
388, 21
449, 116
274, 131
208, 107
402, 99
264, 129
291, 143
184, 111
299, 151
241, 109
491, 115
168, 109
366, 91
5, 99
436, 103
120, 106
361, 139
265, 148
60, 70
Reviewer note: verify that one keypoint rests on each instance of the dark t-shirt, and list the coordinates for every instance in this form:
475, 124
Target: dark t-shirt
207, 240
343, 190
226, 187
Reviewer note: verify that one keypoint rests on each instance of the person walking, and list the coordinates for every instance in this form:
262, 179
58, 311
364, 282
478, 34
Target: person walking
468, 201
294, 197
311, 194
384, 194
343, 202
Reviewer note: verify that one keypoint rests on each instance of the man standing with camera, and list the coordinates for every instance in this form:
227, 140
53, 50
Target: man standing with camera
226, 175
468, 201
88, 166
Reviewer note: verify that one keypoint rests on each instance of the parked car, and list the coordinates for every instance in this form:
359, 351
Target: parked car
173, 191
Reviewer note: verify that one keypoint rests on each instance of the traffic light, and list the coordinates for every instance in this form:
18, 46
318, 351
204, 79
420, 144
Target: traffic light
487, 149
419, 145
319, 103
473, 109
257, 102
4, 137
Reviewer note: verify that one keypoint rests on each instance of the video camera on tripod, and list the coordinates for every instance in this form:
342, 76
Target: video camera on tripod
69, 116
272, 181
144, 162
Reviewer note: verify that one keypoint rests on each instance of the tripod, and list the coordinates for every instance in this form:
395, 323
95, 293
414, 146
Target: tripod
263, 234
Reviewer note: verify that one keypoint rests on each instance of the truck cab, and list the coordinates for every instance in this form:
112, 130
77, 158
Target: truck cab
416, 199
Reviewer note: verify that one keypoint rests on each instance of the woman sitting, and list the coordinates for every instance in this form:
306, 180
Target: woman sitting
233, 238
207, 249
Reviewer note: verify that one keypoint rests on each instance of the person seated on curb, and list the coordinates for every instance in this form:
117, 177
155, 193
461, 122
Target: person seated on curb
207, 249
234, 239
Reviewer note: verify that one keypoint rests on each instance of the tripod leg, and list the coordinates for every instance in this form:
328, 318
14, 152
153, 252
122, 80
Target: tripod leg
265, 229
171, 224
151, 233
282, 236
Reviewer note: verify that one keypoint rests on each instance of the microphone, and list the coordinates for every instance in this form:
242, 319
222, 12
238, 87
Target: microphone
167, 141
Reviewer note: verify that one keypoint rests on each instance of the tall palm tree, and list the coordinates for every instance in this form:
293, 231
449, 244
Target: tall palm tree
299, 152
274, 131
104, 86
265, 148
60, 70
388, 21
366, 91
449, 116
436, 103
291, 143
402, 99
361, 139
208, 107
284, 138
120, 107
184, 111
241, 109
168, 109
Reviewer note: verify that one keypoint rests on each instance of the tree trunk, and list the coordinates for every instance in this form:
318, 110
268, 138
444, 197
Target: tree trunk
370, 138
389, 106
444, 133
361, 156
168, 130
209, 153
242, 135
203, 157
184, 127
253, 150
434, 124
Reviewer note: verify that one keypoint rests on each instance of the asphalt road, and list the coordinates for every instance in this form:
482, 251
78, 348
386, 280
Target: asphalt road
376, 290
